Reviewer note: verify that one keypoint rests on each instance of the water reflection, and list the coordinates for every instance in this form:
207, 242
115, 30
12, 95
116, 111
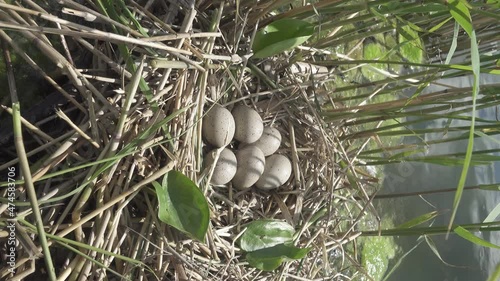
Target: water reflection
461, 260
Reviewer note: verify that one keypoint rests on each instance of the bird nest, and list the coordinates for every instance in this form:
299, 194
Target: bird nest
93, 162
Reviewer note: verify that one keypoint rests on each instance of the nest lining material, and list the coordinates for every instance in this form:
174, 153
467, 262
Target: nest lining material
119, 213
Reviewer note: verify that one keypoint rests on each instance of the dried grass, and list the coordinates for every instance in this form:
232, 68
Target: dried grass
113, 208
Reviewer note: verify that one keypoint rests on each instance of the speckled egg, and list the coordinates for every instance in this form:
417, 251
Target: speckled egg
269, 142
251, 162
277, 171
225, 169
218, 126
249, 126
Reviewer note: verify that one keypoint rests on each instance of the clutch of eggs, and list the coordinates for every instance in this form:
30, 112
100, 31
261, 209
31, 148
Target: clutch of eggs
249, 165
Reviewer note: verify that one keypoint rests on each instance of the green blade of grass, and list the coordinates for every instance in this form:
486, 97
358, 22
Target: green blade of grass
66, 242
470, 144
24, 164
419, 220
496, 274
461, 14
131, 148
400, 260
492, 187
89, 258
434, 249
464, 233
108, 9
493, 214
432, 230
453, 46
130, 17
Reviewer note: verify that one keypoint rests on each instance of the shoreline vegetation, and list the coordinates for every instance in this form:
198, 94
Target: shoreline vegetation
104, 110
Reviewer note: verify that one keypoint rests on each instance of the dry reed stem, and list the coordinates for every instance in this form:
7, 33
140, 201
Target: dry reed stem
30, 126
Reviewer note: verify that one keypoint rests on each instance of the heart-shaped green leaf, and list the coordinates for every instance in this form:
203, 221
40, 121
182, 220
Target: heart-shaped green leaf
280, 36
262, 234
182, 205
270, 258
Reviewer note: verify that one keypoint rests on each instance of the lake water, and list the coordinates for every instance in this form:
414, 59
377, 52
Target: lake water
461, 260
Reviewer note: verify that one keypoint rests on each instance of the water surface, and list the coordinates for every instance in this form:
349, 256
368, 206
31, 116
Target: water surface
460, 260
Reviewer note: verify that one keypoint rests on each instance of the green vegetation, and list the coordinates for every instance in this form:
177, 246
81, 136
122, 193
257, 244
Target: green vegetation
343, 88
269, 243
182, 205
376, 255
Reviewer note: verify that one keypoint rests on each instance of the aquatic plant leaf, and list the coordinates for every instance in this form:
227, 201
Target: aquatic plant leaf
407, 154
451, 161
280, 36
419, 220
182, 205
263, 234
397, 8
271, 258
439, 25
400, 261
464, 233
460, 12
434, 249
495, 3
496, 274
493, 187
486, 136
454, 43
493, 214
466, 24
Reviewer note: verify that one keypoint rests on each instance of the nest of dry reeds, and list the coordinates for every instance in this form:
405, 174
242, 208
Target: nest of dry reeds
93, 159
